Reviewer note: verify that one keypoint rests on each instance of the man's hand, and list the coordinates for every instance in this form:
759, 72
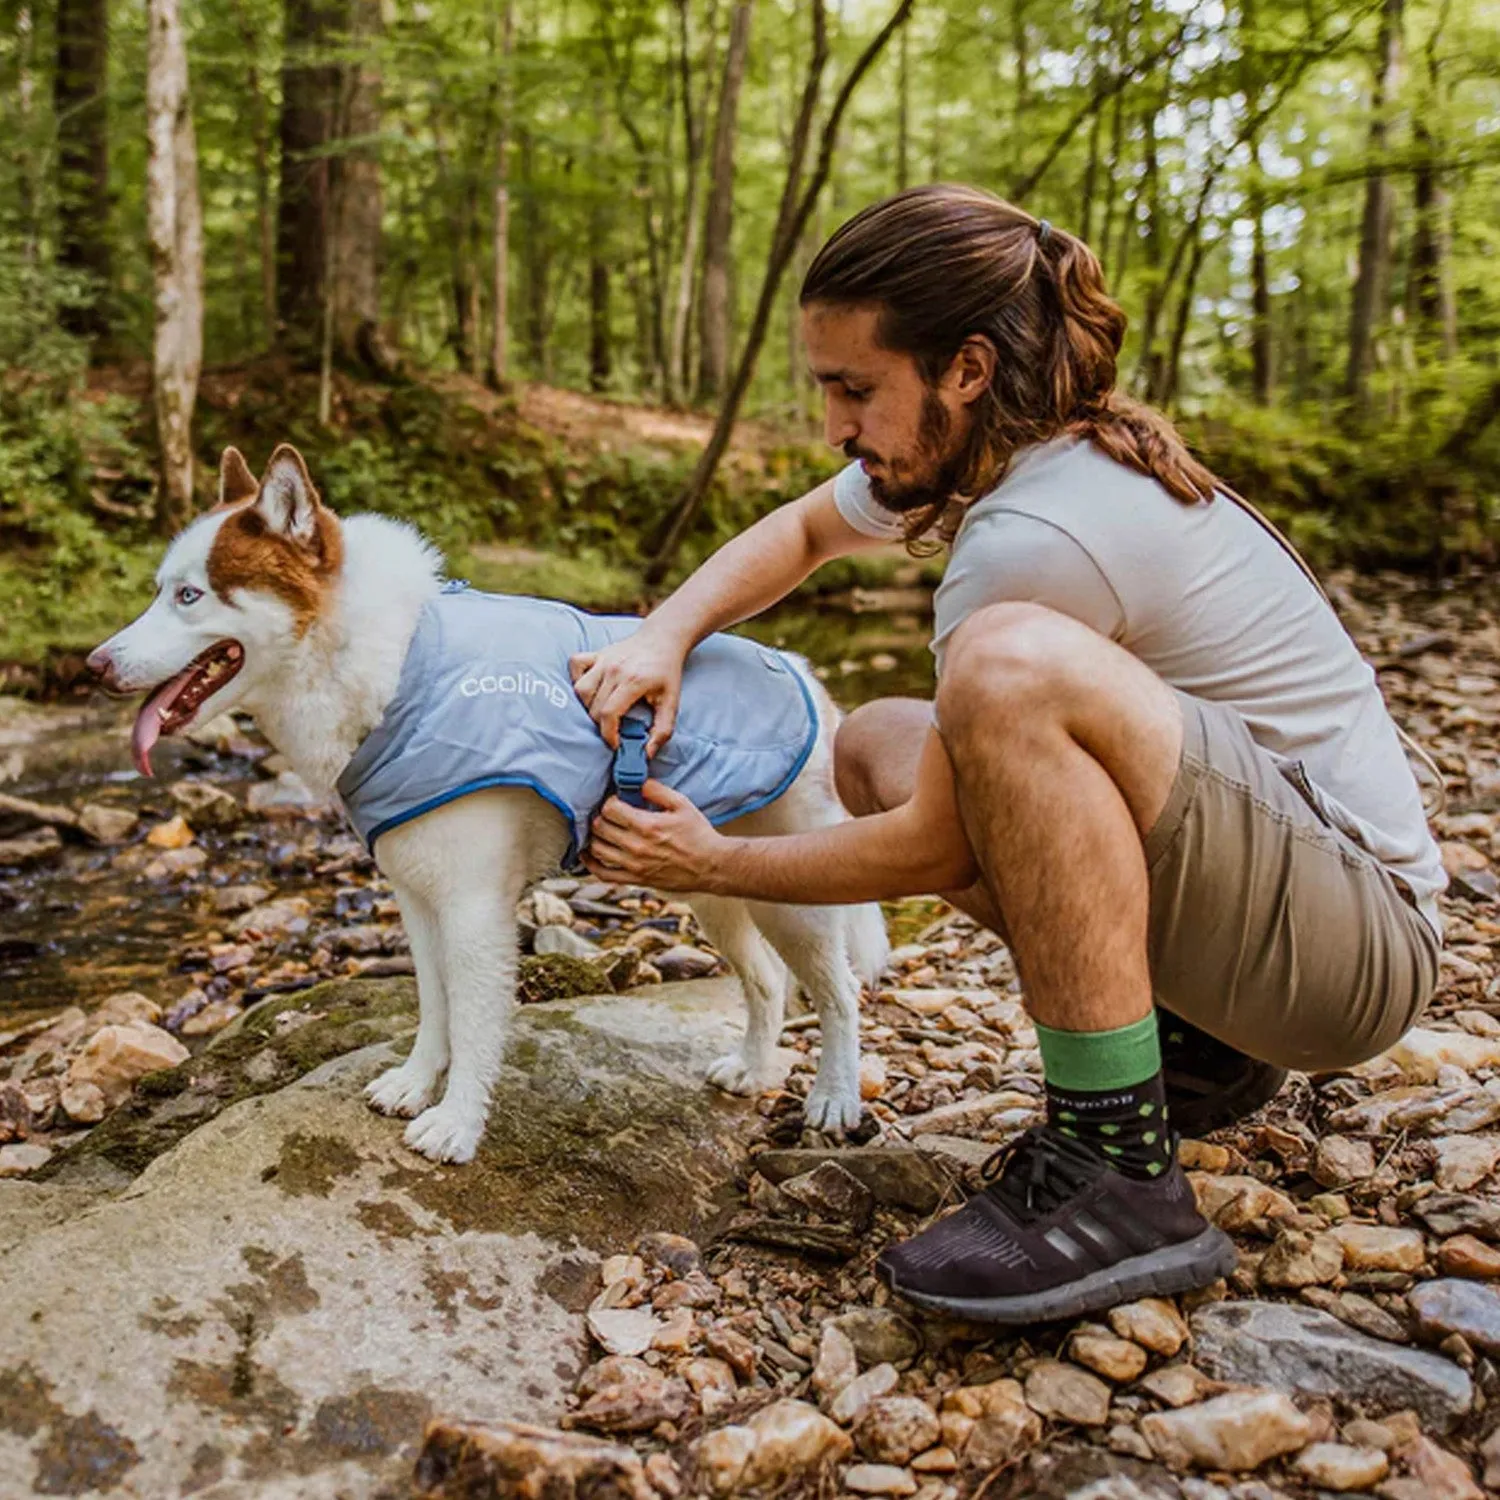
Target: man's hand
644, 667
674, 848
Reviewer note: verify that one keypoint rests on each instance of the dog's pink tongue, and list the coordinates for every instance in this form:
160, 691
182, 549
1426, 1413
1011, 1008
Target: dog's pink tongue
148, 722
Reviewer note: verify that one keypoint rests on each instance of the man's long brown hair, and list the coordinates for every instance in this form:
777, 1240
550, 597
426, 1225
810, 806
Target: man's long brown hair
945, 262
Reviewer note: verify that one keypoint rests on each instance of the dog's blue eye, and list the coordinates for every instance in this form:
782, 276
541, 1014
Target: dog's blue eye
187, 594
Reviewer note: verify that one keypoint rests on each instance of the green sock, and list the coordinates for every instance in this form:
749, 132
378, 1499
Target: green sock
1105, 1089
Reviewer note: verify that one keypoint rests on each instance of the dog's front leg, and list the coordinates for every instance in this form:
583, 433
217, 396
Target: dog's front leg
408, 1089
477, 933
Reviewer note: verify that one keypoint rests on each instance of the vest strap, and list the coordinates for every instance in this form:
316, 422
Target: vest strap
631, 769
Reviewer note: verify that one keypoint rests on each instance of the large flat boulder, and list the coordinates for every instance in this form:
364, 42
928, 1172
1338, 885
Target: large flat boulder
282, 1293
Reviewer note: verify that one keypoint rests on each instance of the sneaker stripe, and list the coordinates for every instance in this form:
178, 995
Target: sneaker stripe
1069, 1248
1107, 1246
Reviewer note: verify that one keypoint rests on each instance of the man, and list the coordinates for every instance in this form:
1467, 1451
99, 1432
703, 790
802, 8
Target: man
1156, 763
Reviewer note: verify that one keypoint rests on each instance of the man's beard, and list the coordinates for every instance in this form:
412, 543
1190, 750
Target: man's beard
937, 488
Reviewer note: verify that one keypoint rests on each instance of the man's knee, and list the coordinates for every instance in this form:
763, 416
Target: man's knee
1006, 662
875, 753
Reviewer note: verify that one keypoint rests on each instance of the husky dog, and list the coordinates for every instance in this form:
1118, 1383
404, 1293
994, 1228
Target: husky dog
272, 605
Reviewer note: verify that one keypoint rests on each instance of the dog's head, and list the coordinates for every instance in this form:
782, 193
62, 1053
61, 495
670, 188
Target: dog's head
235, 594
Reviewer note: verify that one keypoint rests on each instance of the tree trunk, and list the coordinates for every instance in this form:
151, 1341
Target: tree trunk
601, 354
1371, 283
715, 319
174, 224
260, 130
1262, 354
309, 99
692, 124
81, 110
797, 204
1432, 239
536, 259
500, 268
357, 192
903, 114
1149, 371
1172, 376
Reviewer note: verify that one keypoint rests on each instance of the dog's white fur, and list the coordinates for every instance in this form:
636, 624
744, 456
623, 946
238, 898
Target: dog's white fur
460, 871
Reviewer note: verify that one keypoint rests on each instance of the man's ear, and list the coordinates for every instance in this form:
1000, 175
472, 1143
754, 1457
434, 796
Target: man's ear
236, 482
973, 368
288, 503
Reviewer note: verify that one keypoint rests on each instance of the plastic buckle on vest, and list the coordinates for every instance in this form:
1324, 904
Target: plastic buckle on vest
631, 768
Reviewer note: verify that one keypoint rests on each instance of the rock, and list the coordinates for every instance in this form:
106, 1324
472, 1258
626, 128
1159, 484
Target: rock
1003, 1428
1435, 1474
1374, 1247
105, 824
35, 848
834, 1194
555, 976
285, 916
1180, 1385
22, 1157
15, 1114
897, 1176
673, 1252
1066, 1394
83, 1103
1340, 1160
894, 1429
722, 1457
1235, 1202
1358, 1312
1456, 1213
230, 900
1202, 1156
1364, 1433
550, 910
851, 1403
287, 796
837, 1363
676, 1333
176, 862
634, 1404
124, 1008
712, 1381
683, 962
880, 1336
1299, 1258
1335, 1466
1305, 1352
116, 1056
206, 806
1422, 1052
174, 833
733, 1348
878, 1479
1451, 1306
664, 1475
791, 1439
1099, 1351
1464, 1255
1237, 1431
1151, 1321
214, 1016
624, 1330
1464, 1161
1490, 1453
936, 1461
488, 1457
871, 1076
564, 940
1124, 1439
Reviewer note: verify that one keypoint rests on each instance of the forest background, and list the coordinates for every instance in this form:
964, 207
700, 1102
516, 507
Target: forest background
370, 226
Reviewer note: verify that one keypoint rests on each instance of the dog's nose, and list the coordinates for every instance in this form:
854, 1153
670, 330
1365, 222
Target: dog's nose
101, 664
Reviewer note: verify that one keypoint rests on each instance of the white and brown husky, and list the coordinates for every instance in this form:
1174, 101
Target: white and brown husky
272, 605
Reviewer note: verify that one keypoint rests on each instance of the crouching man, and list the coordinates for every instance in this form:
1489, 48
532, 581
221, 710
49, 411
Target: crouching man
1156, 763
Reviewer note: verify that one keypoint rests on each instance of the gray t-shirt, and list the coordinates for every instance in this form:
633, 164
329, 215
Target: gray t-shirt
1207, 599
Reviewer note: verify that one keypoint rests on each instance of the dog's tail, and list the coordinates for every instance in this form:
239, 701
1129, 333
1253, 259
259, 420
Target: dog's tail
866, 941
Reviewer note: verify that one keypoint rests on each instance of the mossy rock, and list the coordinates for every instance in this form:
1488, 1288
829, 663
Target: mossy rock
559, 976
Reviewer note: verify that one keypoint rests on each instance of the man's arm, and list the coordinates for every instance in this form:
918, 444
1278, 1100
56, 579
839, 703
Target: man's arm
754, 571
915, 849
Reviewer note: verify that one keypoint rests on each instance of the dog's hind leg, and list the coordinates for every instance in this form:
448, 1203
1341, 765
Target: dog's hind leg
408, 1089
814, 944
755, 1067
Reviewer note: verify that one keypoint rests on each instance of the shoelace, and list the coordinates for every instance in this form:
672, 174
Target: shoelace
1038, 1170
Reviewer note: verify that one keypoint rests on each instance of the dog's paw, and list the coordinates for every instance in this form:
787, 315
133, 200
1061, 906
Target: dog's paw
738, 1075
403, 1091
445, 1133
831, 1109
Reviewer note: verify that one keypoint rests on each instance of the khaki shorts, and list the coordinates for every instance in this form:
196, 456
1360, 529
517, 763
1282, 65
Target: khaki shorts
1269, 928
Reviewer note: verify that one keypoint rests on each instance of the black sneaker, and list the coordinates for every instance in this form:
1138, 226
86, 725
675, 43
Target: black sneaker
1059, 1233
1210, 1084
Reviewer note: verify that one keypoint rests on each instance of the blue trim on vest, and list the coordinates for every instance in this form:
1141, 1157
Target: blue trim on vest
482, 784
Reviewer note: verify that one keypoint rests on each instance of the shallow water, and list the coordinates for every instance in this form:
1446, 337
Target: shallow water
90, 923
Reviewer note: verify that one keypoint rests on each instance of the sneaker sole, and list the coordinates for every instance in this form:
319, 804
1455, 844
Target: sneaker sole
1183, 1267
1202, 1114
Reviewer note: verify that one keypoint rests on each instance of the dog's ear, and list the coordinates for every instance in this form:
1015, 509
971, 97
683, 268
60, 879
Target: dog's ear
236, 482
288, 503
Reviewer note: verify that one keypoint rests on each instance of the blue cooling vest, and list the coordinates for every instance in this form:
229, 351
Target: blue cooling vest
485, 699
